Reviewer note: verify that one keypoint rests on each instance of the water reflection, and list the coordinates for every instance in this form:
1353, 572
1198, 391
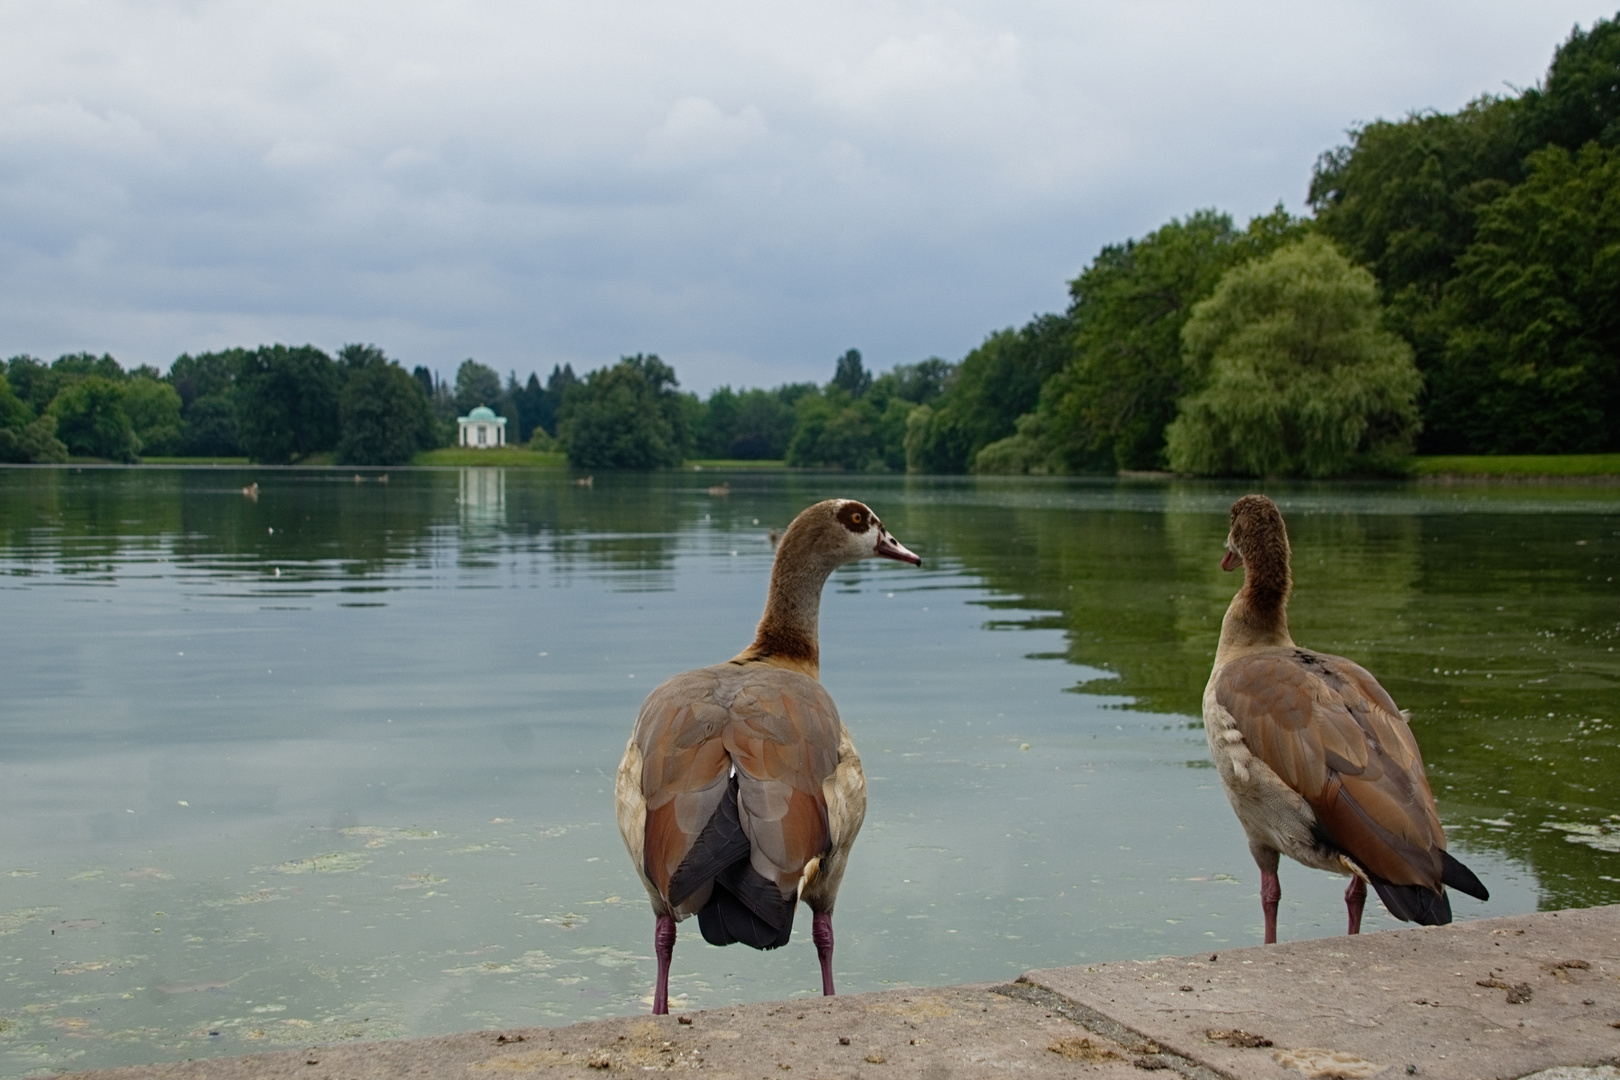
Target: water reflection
483, 496
354, 741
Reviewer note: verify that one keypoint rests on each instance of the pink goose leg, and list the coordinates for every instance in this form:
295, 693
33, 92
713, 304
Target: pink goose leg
821, 934
664, 947
1270, 897
1355, 899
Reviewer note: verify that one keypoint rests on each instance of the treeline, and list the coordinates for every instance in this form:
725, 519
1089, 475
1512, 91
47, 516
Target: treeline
274, 404
1456, 290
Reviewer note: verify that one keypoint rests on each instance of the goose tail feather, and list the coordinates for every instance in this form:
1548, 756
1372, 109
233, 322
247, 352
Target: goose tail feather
1461, 878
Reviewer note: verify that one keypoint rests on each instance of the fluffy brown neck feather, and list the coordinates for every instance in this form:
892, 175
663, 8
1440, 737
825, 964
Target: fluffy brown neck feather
1258, 614
808, 552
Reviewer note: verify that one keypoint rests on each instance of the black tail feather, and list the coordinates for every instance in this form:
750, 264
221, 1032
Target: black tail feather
747, 908
1414, 903
1461, 878
721, 844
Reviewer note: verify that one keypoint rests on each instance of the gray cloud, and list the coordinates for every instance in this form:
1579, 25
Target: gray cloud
747, 190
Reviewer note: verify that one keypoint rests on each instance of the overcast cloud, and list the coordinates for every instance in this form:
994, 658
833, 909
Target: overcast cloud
746, 189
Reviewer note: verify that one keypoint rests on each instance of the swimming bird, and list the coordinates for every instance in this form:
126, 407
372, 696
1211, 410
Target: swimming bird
1315, 757
740, 793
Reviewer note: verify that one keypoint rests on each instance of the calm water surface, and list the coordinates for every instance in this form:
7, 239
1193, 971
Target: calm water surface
337, 763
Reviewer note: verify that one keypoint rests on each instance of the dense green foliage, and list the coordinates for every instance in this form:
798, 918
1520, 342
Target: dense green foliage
990, 389
628, 416
382, 413
860, 422
1108, 406
1458, 213
1531, 362
287, 403
1298, 375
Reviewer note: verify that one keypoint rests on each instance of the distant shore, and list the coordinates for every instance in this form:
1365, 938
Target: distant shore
1442, 469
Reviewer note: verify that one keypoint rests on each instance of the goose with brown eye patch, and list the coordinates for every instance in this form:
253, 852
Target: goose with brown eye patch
740, 792
1315, 756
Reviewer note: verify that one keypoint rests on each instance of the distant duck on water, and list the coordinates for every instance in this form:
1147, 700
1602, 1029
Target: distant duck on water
1315, 756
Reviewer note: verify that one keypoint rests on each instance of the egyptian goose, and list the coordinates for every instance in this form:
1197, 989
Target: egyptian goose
740, 792
1316, 758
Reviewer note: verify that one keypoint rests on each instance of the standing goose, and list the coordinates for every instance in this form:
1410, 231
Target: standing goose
1316, 758
740, 793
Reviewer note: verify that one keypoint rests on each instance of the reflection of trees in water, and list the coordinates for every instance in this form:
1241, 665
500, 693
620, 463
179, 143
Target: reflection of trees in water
82, 521
1516, 708
1140, 594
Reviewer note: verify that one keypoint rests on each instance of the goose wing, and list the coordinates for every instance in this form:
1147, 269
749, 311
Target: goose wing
733, 758
1329, 731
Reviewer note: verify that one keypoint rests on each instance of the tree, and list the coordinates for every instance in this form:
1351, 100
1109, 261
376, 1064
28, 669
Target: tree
1532, 320
210, 428
560, 384
32, 381
206, 384
287, 403
851, 375
384, 416
24, 437
91, 421
627, 416
530, 399
984, 395
153, 407
1579, 101
1300, 377
476, 385
1108, 407
923, 382
204, 375
424, 379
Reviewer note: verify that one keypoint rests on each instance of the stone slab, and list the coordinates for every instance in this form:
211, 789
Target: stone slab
1497, 998
956, 1033
1494, 998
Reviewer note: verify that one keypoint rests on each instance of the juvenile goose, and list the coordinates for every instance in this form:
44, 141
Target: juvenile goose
740, 793
1316, 758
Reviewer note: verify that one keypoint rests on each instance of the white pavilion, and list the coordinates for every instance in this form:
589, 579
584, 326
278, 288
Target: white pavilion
481, 428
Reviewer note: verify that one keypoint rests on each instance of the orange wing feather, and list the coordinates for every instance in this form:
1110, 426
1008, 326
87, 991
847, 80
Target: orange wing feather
1329, 731
778, 728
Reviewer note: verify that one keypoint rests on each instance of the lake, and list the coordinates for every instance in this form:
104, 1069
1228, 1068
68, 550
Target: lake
336, 762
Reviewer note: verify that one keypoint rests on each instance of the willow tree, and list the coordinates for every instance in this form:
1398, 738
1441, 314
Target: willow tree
1299, 376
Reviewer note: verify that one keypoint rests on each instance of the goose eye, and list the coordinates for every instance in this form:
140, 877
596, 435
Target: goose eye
855, 518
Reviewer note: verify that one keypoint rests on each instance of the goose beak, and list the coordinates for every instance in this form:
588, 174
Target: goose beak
890, 548
1231, 560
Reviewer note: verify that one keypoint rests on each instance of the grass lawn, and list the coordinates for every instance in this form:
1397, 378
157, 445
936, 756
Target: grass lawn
194, 461
706, 464
496, 455
1517, 465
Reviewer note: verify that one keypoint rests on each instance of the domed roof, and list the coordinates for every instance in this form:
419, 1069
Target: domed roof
483, 412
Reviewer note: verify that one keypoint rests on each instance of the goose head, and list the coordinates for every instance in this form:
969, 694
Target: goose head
845, 530
1257, 533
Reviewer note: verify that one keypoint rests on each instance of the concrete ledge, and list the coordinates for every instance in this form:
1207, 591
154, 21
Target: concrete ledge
1496, 998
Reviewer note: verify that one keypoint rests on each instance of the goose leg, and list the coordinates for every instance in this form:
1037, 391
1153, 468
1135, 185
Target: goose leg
1270, 889
664, 947
1355, 899
1270, 896
821, 934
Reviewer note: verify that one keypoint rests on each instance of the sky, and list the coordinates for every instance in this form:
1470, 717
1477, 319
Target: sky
745, 189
